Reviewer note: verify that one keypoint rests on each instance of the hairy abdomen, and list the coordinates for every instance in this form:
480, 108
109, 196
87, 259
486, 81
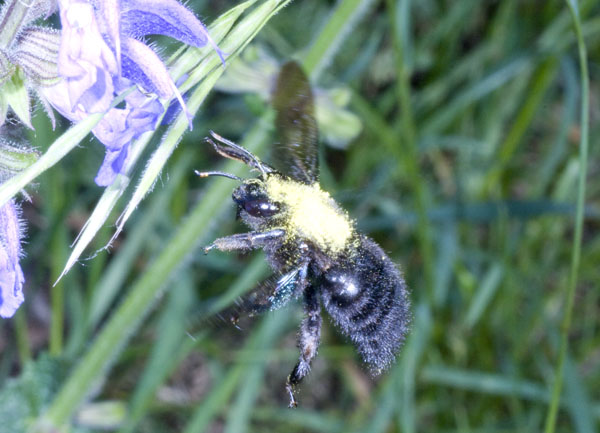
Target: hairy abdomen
366, 296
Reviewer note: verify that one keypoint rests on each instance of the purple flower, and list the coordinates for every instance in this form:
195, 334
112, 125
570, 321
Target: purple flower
101, 55
85, 61
119, 127
11, 275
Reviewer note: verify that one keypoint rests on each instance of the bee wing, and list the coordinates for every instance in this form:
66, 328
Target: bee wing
272, 294
297, 150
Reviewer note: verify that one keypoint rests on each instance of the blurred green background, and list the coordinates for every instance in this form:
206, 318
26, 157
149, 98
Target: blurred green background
451, 134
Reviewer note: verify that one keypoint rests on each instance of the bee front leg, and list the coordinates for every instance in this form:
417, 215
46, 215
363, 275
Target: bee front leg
308, 341
245, 241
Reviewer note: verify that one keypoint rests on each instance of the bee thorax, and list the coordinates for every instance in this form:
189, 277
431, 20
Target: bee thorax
312, 214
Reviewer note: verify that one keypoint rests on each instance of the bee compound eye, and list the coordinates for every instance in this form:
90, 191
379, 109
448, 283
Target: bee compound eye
261, 208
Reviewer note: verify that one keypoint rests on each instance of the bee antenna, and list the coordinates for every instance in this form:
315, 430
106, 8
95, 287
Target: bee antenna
230, 143
218, 173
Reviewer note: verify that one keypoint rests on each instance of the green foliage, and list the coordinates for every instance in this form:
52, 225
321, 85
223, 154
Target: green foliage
22, 399
466, 170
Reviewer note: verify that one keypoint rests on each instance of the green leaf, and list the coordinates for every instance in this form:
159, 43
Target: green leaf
24, 397
337, 125
17, 97
101, 212
488, 286
171, 336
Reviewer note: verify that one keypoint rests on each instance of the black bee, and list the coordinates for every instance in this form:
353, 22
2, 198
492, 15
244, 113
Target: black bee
311, 242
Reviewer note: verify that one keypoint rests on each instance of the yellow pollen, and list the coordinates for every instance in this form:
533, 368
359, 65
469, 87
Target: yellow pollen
311, 213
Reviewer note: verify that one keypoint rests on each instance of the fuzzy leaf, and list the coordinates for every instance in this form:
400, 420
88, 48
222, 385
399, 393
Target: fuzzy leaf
24, 397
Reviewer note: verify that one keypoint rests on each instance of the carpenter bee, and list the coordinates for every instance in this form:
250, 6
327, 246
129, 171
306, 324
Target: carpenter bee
311, 243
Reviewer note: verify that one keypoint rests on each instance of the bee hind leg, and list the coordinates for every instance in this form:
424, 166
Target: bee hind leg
308, 342
245, 241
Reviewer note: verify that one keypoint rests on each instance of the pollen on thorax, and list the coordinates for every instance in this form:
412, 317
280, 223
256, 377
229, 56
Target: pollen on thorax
312, 213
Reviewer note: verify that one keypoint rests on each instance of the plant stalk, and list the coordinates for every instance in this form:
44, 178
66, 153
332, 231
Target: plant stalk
577, 237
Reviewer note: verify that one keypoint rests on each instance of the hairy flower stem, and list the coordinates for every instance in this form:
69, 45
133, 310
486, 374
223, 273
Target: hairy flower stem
577, 237
14, 15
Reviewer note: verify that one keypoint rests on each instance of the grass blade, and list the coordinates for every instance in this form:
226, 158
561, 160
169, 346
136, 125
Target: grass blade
577, 236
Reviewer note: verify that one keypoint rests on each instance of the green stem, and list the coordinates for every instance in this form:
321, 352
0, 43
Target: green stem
22, 336
57, 196
576, 251
409, 154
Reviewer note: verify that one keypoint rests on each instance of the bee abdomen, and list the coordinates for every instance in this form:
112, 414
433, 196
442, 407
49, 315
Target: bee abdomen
367, 298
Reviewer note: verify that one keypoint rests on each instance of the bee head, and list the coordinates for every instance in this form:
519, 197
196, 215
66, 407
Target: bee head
254, 204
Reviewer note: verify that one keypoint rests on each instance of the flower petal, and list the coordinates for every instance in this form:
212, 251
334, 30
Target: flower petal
11, 287
143, 66
85, 60
144, 112
110, 15
164, 17
112, 165
112, 130
122, 125
55, 96
119, 127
